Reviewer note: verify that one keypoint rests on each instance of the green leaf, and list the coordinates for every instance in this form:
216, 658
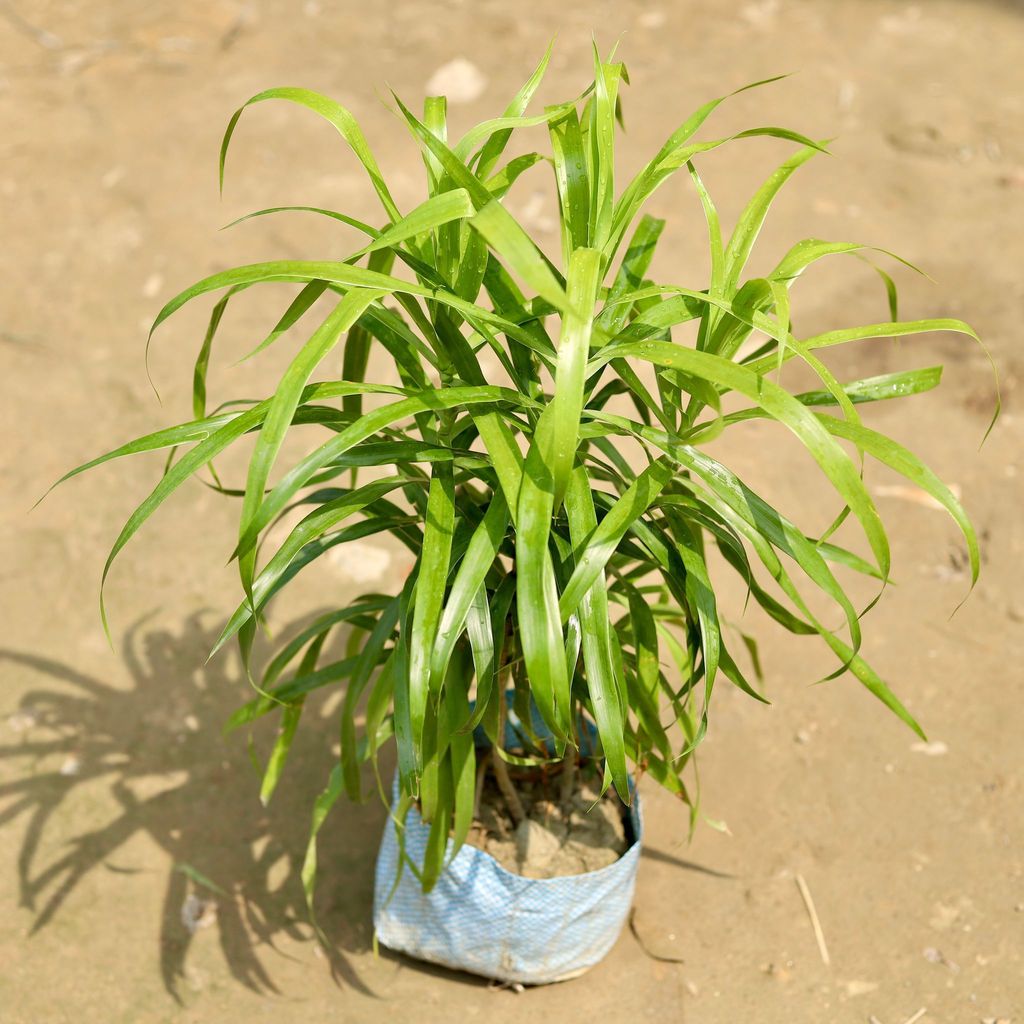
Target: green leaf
324, 802
365, 427
908, 465
605, 681
749, 225
466, 586
430, 214
540, 629
511, 242
342, 120
290, 716
495, 144
601, 150
631, 273
463, 762
781, 406
300, 305
367, 606
430, 590
556, 502
282, 409
570, 163
591, 558
558, 429
367, 660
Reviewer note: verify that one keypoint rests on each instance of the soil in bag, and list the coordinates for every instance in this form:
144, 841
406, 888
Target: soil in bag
586, 833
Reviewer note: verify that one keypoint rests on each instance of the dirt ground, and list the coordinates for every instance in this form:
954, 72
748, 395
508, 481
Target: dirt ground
140, 880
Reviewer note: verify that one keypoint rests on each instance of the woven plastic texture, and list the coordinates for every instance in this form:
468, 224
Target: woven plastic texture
486, 920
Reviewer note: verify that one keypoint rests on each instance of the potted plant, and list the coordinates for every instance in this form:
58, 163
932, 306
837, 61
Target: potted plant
566, 516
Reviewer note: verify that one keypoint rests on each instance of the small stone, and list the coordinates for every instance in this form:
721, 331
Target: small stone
860, 988
760, 14
592, 855
191, 723
936, 748
152, 285
502, 850
460, 80
112, 177
360, 562
944, 917
651, 19
22, 721
535, 845
71, 766
993, 150
936, 956
847, 94
902, 23
197, 913
780, 972
534, 215
547, 815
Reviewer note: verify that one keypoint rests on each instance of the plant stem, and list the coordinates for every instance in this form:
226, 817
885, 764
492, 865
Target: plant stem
481, 775
512, 801
567, 779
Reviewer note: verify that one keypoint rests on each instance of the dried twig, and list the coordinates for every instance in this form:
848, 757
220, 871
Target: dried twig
48, 40
506, 986
917, 1016
819, 935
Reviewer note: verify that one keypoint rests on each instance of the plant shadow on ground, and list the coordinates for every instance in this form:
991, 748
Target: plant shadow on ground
158, 748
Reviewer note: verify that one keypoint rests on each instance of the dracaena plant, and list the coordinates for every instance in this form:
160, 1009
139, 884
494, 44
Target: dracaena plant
566, 518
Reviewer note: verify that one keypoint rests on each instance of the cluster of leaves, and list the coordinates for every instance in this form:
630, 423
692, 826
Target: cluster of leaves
543, 554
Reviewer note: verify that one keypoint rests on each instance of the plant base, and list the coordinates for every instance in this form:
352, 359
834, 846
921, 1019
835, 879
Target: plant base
484, 919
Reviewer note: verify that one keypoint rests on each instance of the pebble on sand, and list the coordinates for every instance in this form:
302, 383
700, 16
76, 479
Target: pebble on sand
360, 562
460, 80
936, 748
197, 913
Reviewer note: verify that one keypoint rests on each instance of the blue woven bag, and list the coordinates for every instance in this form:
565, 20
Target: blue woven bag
489, 921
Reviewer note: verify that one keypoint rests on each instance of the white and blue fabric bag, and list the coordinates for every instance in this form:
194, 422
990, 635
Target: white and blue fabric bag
481, 918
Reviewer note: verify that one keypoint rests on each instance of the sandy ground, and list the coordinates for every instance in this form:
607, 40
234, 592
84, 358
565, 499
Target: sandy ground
116, 787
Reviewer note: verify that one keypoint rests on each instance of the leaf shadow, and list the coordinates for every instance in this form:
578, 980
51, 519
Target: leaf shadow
157, 748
